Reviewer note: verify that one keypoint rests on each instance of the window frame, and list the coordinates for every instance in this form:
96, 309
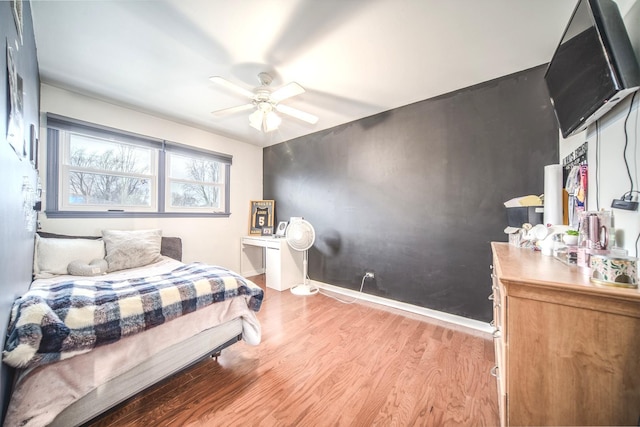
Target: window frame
56, 123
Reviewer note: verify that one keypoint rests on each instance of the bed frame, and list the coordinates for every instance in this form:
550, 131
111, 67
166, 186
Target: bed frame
174, 359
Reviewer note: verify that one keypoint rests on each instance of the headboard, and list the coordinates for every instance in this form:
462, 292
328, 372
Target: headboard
170, 246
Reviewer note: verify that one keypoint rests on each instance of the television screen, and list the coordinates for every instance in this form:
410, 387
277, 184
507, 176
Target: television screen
590, 67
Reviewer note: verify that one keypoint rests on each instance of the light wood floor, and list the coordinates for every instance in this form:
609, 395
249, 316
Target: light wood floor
322, 362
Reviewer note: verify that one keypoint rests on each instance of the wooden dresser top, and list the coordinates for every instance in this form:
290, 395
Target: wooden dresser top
515, 265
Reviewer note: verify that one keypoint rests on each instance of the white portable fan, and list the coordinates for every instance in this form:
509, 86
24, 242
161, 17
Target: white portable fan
300, 236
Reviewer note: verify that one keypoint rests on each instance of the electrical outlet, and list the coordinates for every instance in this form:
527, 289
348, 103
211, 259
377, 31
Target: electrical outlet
369, 275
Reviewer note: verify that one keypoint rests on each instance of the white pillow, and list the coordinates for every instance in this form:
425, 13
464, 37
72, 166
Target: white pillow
52, 256
130, 249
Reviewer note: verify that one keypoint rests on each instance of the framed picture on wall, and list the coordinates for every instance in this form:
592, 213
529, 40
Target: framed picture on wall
261, 217
15, 103
16, 6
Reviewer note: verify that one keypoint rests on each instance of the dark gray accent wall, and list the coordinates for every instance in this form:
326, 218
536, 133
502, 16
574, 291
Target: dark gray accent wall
416, 194
16, 243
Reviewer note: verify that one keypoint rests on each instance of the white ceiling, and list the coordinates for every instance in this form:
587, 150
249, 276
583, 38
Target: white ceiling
355, 58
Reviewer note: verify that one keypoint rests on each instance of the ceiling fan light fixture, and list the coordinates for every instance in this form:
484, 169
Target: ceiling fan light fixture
255, 119
266, 102
271, 121
264, 118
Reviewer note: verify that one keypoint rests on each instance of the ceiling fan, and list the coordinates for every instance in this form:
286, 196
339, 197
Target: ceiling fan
266, 101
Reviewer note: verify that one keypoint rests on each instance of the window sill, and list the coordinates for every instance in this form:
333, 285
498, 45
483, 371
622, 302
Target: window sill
104, 214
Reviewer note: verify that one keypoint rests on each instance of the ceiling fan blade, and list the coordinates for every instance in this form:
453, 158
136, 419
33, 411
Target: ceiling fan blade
227, 111
232, 86
301, 115
286, 91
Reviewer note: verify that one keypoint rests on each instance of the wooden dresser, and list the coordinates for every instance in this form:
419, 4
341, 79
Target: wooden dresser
567, 351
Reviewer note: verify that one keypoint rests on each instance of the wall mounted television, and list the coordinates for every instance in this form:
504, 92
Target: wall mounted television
593, 68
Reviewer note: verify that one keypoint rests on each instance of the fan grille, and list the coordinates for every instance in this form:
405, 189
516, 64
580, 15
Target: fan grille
300, 235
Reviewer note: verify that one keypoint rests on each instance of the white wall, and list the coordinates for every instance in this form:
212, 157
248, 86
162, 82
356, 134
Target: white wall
210, 240
608, 178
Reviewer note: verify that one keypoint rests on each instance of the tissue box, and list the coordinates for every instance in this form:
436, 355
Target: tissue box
524, 214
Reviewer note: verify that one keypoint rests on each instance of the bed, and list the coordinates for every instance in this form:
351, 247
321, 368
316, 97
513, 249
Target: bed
88, 371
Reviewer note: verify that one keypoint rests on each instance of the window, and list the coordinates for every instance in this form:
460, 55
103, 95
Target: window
194, 183
94, 171
98, 174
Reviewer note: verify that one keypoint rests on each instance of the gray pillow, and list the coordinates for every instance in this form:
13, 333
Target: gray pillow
93, 268
130, 249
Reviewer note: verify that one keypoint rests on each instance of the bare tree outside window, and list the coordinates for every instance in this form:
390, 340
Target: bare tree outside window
108, 173
195, 182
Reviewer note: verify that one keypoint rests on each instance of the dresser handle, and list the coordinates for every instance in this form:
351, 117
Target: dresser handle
494, 372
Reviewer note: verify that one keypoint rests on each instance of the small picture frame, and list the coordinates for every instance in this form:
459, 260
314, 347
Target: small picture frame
267, 231
261, 216
33, 147
282, 228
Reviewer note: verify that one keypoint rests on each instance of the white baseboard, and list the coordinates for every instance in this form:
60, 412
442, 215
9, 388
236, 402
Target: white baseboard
475, 325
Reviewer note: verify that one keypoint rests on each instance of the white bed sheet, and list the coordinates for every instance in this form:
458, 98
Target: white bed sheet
41, 394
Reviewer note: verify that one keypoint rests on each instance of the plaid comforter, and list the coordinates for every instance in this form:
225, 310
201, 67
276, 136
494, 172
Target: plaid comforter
71, 318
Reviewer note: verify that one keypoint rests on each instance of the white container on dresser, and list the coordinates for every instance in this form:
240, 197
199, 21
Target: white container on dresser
567, 350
